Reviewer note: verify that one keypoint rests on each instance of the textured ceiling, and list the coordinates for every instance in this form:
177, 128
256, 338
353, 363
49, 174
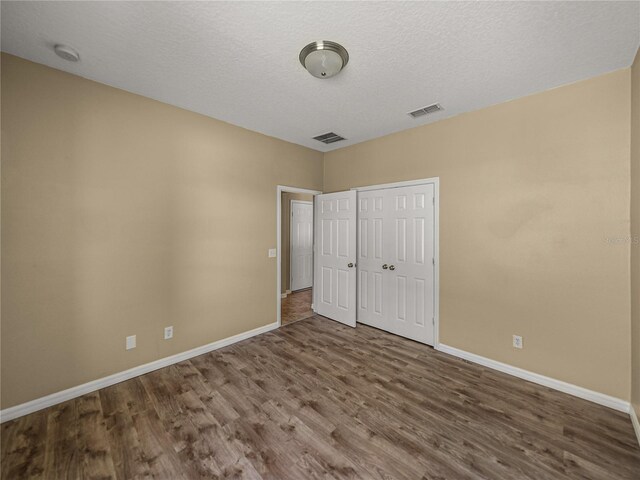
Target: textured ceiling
238, 61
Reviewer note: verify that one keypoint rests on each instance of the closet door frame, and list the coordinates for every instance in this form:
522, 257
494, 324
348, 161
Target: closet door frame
436, 241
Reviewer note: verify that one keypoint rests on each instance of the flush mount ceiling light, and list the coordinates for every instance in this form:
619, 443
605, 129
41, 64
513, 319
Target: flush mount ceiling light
324, 59
66, 52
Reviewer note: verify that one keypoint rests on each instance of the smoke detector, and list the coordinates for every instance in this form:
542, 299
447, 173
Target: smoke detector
67, 53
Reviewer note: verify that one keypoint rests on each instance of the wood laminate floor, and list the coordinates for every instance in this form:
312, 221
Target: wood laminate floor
319, 400
296, 306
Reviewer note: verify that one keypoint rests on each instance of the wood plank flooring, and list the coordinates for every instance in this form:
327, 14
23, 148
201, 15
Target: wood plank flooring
296, 306
318, 400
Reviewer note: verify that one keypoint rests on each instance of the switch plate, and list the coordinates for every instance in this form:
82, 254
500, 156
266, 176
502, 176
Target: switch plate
131, 342
168, 332
517, 341
272, 253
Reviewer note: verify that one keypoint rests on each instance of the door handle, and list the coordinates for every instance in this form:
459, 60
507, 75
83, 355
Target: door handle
350, 265
385, 266
392, 267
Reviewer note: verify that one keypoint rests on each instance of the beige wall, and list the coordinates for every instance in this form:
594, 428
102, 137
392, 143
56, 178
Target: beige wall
635, 234
116, 221
122, 215
285, 283
530, 192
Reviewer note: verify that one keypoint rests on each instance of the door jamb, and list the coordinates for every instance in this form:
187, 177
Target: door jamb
279, 190
436, 242
306, 202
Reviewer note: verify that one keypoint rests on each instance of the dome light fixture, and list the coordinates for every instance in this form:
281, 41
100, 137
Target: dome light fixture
324, 59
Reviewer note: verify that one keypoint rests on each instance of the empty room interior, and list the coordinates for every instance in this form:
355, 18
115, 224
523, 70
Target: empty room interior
320, 240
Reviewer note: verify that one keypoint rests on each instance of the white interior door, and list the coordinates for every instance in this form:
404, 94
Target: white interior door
335, 256
396, 261
301, 228
411, 262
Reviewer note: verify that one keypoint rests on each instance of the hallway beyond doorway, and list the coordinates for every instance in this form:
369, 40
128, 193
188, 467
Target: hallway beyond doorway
296, 306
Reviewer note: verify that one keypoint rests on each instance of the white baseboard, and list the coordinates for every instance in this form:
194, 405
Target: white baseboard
635, 422
283, 295
73, 392
596, 397
288, 292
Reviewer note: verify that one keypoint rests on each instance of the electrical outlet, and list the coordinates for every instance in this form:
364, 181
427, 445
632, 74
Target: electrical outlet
272, 253
168, 332
131, 342
517, 341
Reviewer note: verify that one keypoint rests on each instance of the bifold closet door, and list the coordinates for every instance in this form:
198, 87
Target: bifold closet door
335, 256
372, 225
410, 257
396, 260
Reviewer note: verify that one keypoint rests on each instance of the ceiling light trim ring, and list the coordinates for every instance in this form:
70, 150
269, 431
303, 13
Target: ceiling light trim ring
327, 46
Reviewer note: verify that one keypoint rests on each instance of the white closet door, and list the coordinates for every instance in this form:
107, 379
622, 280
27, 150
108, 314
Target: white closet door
371, 226
301, 228
396, 248
410, 256
335, 256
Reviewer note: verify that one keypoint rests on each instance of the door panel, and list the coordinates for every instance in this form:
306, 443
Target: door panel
401, 240
344, 245
326, 237
401, 297
377, 307
370, 253
336, 250
418, 240
363, 285
397, 231
343, 289
326, 284
301, 227
412, 278
377, 238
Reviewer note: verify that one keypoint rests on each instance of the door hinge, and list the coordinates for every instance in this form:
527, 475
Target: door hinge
433, 320
433, 261
433, 200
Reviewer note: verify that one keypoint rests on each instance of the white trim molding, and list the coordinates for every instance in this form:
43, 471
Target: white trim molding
576, 391
74, 392
635, 422
408, 183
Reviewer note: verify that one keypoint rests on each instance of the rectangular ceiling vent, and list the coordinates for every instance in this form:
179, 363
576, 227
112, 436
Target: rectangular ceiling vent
329, 138
426, 110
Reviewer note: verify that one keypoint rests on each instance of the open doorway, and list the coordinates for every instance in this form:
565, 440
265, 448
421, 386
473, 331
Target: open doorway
295, 254
297, 257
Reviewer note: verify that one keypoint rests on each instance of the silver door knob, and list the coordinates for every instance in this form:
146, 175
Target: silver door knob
392, 267
385, 266
350, 265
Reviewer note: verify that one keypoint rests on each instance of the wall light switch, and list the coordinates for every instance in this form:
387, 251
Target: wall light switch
131, 342
272, 253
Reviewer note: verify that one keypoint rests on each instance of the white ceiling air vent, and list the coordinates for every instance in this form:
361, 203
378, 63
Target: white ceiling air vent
426, 110
329, 138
